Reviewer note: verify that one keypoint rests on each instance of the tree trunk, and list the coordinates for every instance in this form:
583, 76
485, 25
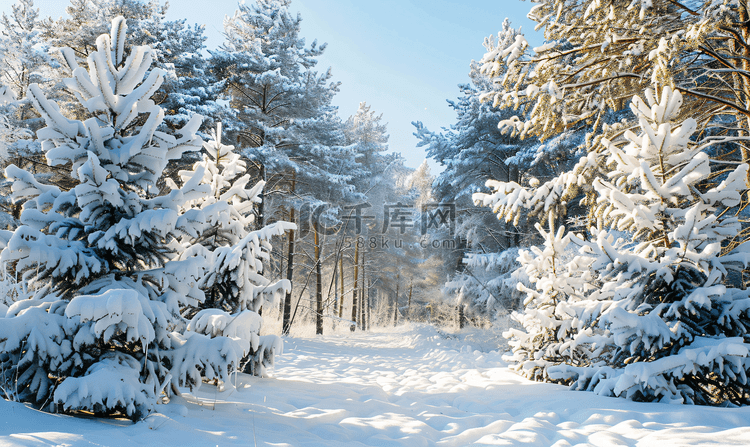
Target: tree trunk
516, 235
369, 304
460, 316
262, 196
281, 275
395, 304
741, 84
744, 16
408, 306
363, 323
336, 304
318, 286
341, 276
286, 326
354, 293
508, 225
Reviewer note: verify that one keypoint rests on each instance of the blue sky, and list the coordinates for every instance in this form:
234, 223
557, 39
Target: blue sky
403, 57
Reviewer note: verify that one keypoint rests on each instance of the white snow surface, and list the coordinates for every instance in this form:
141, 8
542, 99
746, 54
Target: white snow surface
406, 386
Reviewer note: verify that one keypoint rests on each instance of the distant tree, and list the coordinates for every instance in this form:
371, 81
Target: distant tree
25, 59
421, 180
369, 137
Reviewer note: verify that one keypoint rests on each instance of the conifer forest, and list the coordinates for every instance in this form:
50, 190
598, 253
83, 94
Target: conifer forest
197, 247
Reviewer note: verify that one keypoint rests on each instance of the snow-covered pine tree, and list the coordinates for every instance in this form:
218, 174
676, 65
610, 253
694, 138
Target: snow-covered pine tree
102, 330
267, 70
378, 172
547, 320
598, 54
285, 120
486, 283
16, 144
369, 137
285, 123
472, 150
420, 181
233, 283
188, 85
85, 20
25, 56
23, 59
652, 307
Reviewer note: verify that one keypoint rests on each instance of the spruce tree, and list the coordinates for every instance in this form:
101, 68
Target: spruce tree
650, 305
233, 282
105, 259
188, 85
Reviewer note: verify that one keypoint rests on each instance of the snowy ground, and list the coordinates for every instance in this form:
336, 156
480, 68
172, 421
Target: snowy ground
410, 386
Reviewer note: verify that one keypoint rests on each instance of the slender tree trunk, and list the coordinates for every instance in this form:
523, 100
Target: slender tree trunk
741, 84
341, 278
318, 286
369, 303
508, 234
460, 316
289, 275
286, 325
336, 304
363, 323
516, 236
281, 274
354, 293
395, 304
408, 306
262, 196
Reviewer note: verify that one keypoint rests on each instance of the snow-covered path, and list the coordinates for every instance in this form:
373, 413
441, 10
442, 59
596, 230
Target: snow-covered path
409, 386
